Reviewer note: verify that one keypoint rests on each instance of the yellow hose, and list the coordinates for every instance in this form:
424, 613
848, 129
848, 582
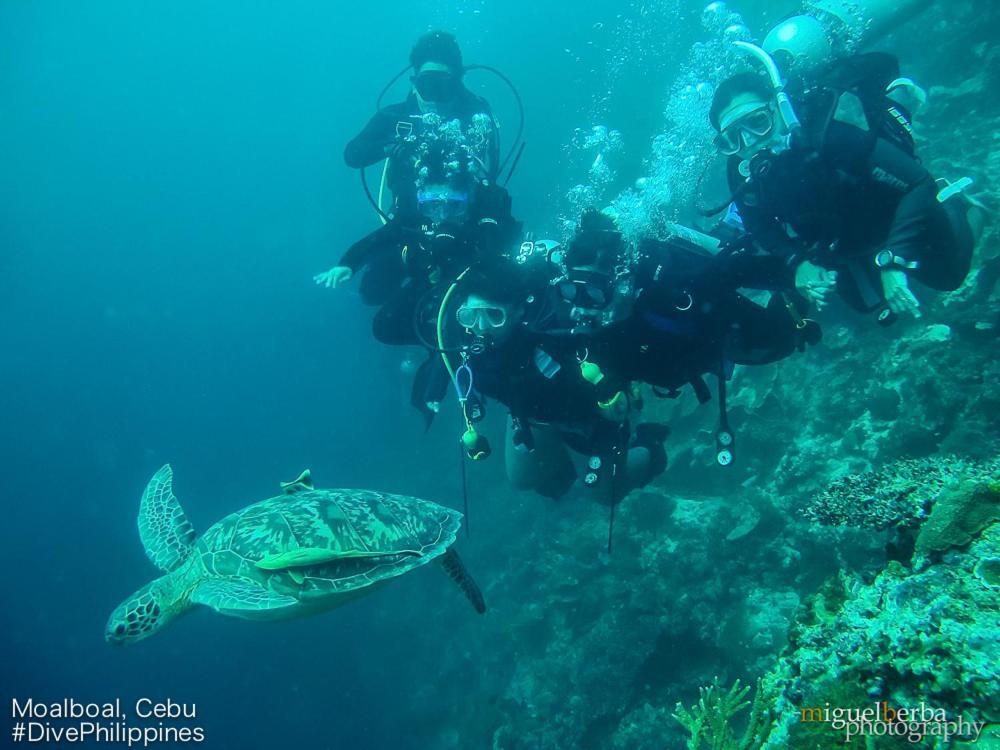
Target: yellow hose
440, 323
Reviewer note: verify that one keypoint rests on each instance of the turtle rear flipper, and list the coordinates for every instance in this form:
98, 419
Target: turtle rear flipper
302, 483
237, 596
455, 568
165, 531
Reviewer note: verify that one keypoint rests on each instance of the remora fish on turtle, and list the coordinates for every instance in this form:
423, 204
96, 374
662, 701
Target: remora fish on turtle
305, 551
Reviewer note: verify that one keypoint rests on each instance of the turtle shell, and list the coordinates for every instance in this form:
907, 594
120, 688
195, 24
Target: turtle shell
370, 537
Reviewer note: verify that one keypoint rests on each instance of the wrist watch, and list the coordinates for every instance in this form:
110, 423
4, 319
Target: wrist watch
886, 259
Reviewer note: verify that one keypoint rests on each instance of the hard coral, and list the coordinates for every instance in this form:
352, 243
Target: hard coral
898, 495
709, 720
959, 514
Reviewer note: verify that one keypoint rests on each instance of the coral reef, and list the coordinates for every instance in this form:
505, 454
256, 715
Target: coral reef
909, 636
709, 721
873, 429
900, 494
958, 515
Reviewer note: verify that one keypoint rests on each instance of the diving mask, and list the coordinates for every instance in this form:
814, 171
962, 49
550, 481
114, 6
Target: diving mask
436, 85
440, 203
590, 290
481, 318
746, 131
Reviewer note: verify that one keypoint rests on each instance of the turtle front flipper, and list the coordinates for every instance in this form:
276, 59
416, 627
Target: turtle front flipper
238, 596
455, 568
304, 557
165, 531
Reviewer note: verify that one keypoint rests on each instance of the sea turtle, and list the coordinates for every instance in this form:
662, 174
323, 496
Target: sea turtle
304, 551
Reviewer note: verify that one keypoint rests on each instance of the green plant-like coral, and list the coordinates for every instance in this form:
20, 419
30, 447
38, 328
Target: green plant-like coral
709, 721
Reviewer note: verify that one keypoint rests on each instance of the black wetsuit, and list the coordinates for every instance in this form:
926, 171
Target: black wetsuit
540, 382
389, 127
841, 202
688, 321
689, 317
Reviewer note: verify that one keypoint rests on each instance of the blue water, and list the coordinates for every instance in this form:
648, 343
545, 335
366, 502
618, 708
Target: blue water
170, 180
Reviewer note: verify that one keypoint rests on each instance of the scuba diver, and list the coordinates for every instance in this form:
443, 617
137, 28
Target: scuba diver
554, 411
840, 193
441, 152
564, 337
668, 313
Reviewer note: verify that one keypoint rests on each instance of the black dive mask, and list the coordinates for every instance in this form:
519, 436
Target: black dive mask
437, 85
590, 290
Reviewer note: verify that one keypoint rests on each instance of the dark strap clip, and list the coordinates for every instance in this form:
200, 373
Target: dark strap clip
725, 438
800, 322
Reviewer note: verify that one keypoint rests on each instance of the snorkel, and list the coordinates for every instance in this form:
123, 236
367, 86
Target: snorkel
785, 110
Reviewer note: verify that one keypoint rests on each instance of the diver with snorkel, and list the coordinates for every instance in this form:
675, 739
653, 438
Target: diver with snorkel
823, 172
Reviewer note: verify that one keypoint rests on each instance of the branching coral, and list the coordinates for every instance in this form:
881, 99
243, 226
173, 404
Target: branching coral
898, 495
709, 721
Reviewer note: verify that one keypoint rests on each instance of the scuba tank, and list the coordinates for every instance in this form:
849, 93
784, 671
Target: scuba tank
830, 29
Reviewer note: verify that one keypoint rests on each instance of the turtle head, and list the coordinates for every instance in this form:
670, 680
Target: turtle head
138, 617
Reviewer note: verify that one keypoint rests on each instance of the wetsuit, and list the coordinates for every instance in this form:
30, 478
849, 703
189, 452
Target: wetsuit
538, 379
689, 320
841, 202
435, 256
554, 408
409, 254
395, 133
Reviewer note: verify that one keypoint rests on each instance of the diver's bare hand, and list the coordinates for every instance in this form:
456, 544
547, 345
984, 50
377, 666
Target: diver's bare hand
815, 283
334, 277
896, 287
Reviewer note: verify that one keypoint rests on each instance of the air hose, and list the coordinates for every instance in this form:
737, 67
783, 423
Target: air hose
440, 323
785, 109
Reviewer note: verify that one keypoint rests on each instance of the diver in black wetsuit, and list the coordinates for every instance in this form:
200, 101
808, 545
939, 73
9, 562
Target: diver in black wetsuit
682, 312
564, 347
849, 205
556, 406
441, 147
671, 314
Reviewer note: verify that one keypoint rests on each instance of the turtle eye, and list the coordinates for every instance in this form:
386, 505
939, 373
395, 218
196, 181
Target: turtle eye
120, 630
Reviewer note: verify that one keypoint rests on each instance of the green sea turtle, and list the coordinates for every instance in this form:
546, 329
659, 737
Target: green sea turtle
301, 552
